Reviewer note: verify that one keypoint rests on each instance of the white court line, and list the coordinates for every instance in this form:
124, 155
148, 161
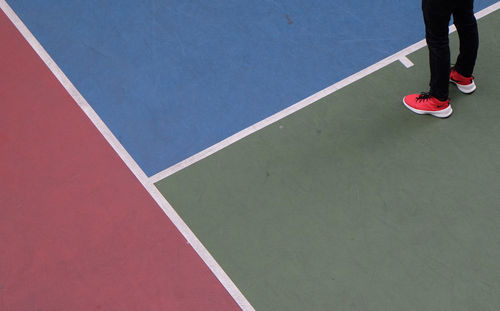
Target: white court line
399, 56
132, 165
286, 112
406, 62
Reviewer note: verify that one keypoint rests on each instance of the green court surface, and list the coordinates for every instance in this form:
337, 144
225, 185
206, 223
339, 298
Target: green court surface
356, 203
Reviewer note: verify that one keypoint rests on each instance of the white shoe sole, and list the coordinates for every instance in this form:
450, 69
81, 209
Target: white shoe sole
466, 89
445, 113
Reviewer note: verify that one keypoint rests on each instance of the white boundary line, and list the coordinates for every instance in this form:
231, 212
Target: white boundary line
285, 112
406, 61
399, 56
132, 165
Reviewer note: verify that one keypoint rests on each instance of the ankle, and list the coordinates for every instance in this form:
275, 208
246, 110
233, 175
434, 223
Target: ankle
460, 72
440, 98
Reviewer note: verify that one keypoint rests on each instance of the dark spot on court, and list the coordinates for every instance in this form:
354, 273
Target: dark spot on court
289, 19
319, 132
268, 174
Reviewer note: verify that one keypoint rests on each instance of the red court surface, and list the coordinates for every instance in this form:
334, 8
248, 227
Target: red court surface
77, 229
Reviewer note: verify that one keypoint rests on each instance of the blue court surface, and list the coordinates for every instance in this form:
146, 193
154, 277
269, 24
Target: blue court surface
171, 78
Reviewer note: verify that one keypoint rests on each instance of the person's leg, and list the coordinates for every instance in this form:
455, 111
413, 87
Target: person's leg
437, 15
464, 20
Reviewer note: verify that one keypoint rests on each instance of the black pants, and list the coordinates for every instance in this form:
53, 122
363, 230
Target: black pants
437, 15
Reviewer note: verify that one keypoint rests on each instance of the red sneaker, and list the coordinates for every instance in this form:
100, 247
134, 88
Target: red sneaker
424, 103
466, 85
